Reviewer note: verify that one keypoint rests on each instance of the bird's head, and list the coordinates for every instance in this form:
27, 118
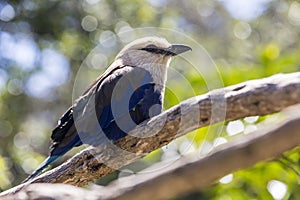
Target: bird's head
150, 50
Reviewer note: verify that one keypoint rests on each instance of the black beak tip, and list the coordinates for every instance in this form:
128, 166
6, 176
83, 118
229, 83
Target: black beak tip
179, 48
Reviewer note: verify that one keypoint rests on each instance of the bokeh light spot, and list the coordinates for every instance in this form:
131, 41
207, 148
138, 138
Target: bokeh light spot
226, 179
125, 172
108, 39
7, 13
250, 128
219, 141
170, 152
39, 86
242, 30
245, 9
29, 164
205, 9
55, 71
277, 189
186, 147
205, 148
21, 140
89, 23
272, 51
19, 48
14, 87
126, 34
251, 119
294, 13
92, 2
235, 127
99, 61
160, 3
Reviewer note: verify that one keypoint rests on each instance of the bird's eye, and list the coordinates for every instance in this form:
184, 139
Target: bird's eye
151, 46
153, 49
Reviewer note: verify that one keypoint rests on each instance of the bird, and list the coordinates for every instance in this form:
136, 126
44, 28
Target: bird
130, 91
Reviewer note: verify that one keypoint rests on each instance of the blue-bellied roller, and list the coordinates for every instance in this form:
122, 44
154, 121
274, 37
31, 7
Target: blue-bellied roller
130, 91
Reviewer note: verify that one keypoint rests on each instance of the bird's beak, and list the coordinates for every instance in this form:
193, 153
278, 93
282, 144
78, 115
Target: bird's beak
176, 49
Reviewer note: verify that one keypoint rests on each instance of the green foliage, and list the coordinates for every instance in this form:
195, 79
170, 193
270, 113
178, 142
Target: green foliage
67, 31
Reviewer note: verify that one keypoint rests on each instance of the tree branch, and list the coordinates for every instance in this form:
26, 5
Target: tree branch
257, 97
191, 175
188, 174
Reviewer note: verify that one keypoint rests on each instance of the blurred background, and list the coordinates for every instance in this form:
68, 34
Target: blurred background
44, 43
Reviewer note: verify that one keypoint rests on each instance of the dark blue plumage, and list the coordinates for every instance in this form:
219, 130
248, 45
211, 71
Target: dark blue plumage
128, 109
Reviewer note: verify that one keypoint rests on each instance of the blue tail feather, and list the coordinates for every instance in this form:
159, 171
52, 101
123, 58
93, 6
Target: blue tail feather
41, 167
56, 154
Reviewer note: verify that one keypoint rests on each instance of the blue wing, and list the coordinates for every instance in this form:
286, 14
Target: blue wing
131, 97
138, 110
123, 99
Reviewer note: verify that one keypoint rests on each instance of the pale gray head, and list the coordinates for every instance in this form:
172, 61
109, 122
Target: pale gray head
150, 50
152, 54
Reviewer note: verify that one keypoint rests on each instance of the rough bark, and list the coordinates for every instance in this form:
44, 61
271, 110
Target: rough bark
257, 97
188, 174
